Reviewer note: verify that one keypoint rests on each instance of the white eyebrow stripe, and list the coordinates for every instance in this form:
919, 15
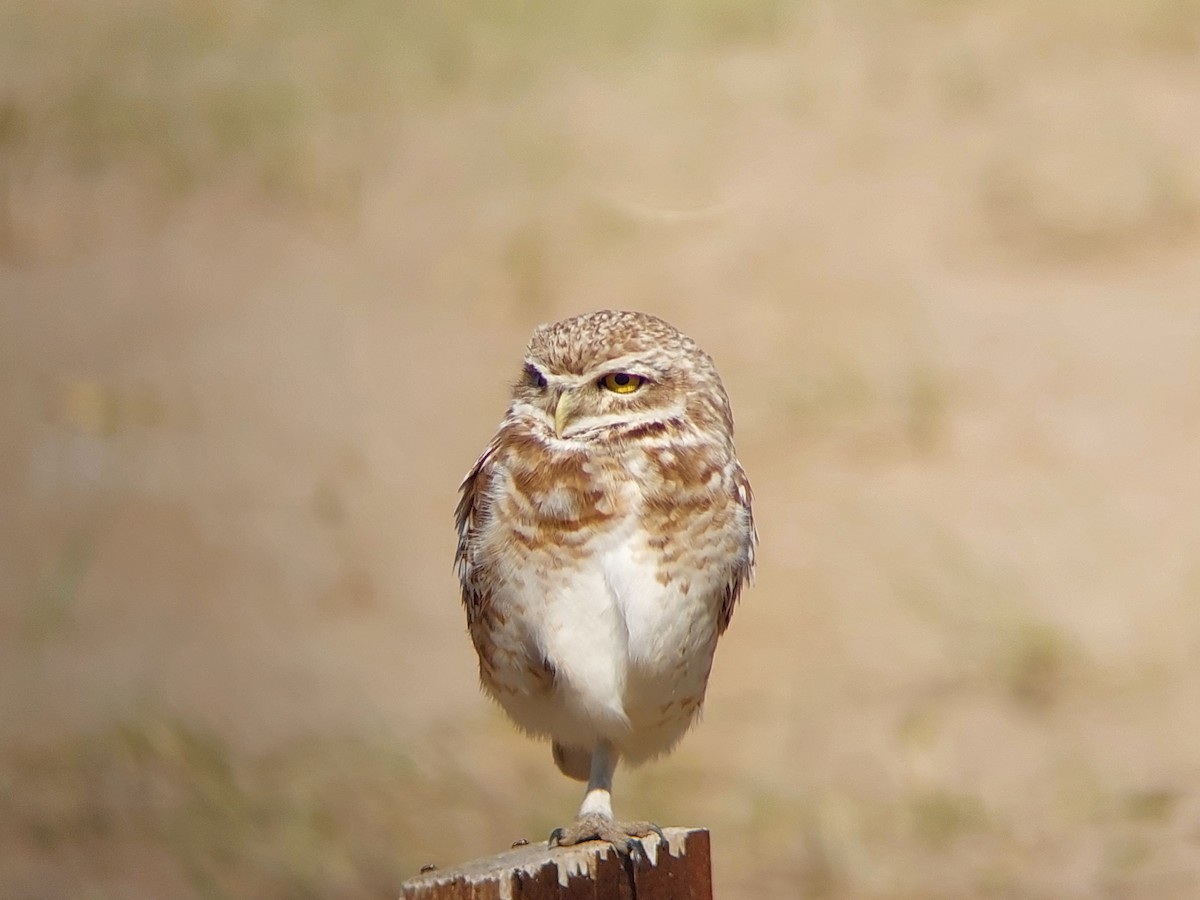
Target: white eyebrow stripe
605, 420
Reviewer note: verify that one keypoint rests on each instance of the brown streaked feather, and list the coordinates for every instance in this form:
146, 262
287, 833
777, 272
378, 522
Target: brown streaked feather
744, 570
474, 506
485, 617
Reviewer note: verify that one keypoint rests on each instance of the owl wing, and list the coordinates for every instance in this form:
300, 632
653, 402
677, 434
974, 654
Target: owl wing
474, 505
743, 569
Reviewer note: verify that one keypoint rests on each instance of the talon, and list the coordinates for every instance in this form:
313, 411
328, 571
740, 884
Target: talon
623, 836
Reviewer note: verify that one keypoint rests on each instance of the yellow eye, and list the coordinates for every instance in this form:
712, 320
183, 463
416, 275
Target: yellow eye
622, 382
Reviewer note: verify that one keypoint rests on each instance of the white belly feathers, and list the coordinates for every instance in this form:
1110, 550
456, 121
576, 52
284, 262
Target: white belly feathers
630, 654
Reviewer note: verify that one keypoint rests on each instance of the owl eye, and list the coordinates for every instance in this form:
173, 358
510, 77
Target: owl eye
622, 382
534, 377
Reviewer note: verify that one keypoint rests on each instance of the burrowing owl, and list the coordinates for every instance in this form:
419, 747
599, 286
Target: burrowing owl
603, 539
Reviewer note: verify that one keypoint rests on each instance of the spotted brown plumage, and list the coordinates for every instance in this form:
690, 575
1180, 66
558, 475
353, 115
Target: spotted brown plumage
604, 537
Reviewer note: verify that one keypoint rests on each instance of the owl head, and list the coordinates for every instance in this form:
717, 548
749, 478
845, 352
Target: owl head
614, 374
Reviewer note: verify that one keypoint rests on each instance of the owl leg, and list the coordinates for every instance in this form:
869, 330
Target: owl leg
595, 819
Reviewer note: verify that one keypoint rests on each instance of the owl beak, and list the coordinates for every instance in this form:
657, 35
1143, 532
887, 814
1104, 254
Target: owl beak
562, 412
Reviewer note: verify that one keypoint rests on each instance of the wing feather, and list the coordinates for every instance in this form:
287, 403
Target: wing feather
474, 507
743, 570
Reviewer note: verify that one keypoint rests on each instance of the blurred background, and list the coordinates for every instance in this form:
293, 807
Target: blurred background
267, 269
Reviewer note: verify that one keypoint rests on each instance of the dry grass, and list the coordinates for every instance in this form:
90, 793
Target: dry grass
264, 273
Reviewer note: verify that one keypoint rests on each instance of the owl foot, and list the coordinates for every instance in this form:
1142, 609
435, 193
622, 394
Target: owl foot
597, 827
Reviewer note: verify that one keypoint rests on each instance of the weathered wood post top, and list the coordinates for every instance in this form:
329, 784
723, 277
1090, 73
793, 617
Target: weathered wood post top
679, 869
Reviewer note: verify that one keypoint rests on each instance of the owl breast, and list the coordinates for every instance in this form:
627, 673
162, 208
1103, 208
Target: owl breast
608, 583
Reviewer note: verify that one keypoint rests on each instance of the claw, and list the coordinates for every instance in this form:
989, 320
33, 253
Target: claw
624, 836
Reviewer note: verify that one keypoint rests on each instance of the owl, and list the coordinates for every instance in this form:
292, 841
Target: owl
604, 537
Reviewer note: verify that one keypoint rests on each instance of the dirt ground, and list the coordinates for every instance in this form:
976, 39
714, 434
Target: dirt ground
266, 270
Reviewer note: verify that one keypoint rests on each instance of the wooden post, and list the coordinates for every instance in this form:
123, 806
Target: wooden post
680, 869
